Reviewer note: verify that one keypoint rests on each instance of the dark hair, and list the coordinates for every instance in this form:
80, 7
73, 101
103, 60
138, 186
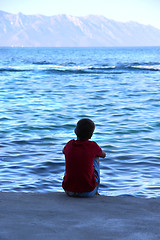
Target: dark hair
84, 129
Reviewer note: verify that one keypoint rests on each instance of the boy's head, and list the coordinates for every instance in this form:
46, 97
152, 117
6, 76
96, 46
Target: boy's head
84, 129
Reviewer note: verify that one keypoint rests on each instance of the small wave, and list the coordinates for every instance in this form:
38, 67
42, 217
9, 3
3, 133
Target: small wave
42, 63
14, 70
157, 124
4, 119
40, 141
52, 164
70, 63
155, 66
146, 67
103, 68
99, 69
65, 71
72, 68
78, 69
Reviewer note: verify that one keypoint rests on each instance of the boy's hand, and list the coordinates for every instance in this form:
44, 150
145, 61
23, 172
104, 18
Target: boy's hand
103, 154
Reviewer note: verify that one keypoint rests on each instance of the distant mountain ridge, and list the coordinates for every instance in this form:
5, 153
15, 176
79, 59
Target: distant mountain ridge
19, 30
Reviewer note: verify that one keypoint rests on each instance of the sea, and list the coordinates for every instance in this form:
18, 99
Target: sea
45, 91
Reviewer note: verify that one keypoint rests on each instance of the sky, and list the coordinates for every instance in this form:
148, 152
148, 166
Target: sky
142, 11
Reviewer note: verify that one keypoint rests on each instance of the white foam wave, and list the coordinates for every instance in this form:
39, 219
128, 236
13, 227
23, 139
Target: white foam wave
147, 67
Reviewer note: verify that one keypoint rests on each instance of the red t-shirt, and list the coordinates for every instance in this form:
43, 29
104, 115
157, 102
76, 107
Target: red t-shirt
79, 171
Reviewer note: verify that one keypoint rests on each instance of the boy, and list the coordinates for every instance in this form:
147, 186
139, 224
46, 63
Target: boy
82, 176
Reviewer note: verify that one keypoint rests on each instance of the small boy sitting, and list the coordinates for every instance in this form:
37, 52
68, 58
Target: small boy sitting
82, 177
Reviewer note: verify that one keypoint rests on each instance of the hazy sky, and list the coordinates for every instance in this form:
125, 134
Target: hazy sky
142, 11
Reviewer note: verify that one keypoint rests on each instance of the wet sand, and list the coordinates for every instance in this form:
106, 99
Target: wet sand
55, 216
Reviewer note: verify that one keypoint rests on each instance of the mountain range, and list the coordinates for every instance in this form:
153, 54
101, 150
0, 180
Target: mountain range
19, 30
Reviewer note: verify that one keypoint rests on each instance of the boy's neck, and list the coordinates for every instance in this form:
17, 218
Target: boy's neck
82, 139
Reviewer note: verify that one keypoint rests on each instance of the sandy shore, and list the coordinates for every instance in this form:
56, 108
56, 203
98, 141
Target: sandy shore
54, 216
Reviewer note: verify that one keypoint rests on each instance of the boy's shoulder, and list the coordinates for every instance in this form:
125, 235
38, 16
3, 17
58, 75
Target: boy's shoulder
69, 142
79, 142
87, 142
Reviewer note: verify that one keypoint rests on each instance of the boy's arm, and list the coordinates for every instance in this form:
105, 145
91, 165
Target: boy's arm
100, 152
103, 154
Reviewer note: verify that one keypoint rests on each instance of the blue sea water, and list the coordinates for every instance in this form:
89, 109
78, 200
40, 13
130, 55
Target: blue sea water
45, 91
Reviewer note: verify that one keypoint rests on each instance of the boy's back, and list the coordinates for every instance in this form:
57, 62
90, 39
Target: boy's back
79, 174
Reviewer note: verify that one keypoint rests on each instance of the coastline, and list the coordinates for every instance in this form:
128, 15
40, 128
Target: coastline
39, 216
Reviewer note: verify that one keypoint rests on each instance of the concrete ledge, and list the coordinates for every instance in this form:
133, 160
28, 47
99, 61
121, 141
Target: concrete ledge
55, 216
